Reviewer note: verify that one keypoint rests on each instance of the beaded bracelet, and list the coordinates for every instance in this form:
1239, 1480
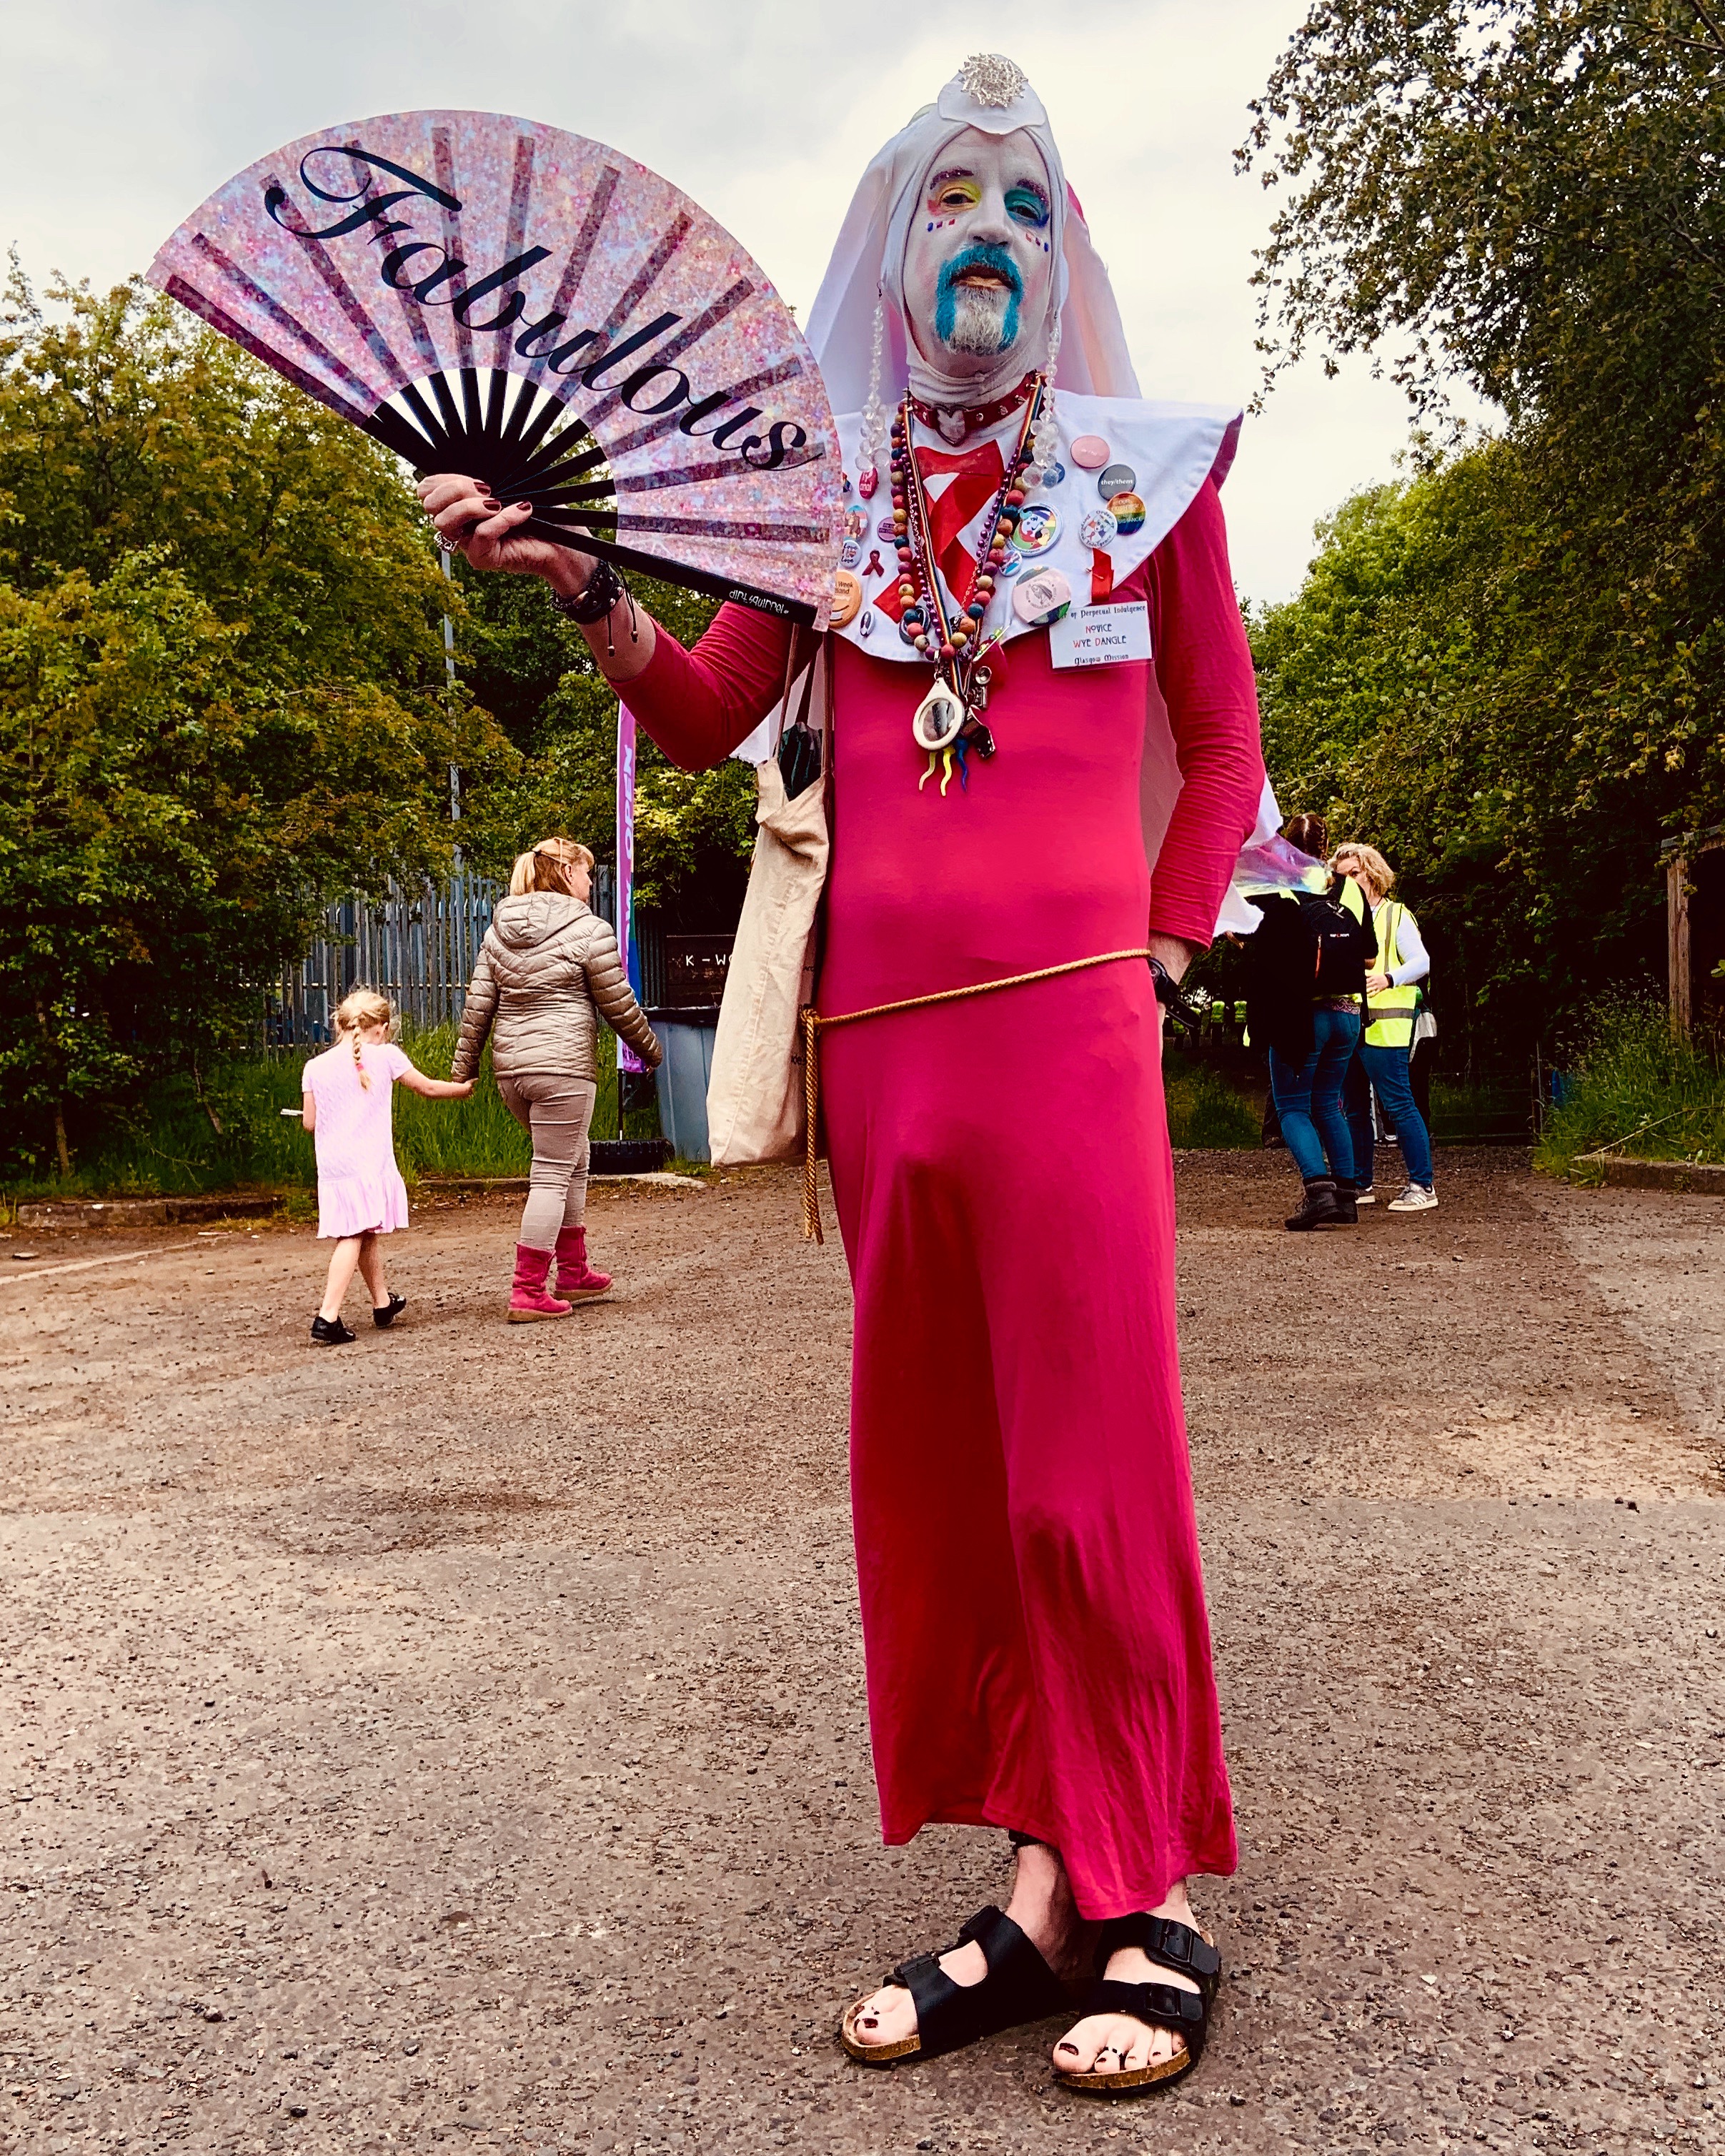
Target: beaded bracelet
595, 599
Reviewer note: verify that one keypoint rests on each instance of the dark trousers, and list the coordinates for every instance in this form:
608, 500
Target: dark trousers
1385, 1069
1308, 1097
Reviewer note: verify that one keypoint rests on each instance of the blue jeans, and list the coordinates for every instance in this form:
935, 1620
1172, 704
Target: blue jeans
1308, 1097
1387, 1069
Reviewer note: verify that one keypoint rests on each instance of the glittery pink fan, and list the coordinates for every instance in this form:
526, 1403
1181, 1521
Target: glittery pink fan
488, 295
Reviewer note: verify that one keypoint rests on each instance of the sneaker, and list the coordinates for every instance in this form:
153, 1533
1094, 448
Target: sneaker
329, 1333
1366, 1197
1417, 1198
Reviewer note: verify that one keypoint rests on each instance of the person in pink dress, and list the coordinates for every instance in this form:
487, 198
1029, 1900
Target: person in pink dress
1033, 1607
348, 1093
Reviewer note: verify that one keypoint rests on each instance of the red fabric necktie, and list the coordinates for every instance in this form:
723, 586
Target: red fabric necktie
977, 474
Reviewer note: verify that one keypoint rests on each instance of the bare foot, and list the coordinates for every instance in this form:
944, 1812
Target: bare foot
1041, 1907
1118, 2043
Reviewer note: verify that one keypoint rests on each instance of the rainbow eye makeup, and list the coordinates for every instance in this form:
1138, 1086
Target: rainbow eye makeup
1029, 205
950, 194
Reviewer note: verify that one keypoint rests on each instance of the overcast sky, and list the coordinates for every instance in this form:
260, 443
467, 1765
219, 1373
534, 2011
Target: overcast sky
116, 121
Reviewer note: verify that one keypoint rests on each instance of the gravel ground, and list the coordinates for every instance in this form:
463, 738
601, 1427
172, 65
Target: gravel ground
458, 1739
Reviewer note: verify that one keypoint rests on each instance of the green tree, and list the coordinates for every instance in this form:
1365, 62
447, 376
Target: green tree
525, 663
221, 696
1516, 660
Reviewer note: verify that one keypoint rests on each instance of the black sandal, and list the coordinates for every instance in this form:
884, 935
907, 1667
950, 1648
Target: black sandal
1169, 1945
1019, 1987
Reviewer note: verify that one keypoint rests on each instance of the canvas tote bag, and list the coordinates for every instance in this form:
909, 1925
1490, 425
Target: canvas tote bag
754, 1098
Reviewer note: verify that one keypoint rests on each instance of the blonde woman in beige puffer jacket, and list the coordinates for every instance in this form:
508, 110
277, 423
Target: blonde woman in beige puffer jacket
548, 970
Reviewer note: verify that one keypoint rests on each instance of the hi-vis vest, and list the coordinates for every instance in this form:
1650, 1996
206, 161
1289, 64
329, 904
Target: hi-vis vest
1391, 1013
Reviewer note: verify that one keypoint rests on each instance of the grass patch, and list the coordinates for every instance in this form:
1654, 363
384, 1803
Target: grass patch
1639, 1090
169, 1147
1204, 1111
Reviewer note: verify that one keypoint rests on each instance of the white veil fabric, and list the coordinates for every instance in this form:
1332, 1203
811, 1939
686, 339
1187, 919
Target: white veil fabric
868, 261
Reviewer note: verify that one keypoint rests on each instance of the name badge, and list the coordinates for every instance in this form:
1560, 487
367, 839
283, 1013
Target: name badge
1100, 635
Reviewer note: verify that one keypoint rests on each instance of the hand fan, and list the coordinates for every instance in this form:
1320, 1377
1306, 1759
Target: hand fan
491, 296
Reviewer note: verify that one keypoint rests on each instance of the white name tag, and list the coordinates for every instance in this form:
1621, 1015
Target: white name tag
1100, 635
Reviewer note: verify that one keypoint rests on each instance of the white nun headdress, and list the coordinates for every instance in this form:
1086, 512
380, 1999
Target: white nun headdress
990, 93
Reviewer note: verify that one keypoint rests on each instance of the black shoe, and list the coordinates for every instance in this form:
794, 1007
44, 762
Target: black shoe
1170, 1946
1347, 1205
1317, 1209
1019, 1987
385, 1317
329, 1333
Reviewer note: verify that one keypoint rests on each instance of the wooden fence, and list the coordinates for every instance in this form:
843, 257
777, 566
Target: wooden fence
416, 946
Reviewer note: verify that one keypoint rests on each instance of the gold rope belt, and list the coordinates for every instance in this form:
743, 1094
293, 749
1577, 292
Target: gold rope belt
815, 1025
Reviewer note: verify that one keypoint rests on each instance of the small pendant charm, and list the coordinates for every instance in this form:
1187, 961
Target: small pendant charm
976, 736
939, 716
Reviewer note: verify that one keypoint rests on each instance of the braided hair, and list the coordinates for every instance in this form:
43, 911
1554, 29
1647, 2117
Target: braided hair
359, 1008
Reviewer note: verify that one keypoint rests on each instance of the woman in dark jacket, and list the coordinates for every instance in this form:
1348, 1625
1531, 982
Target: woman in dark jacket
548, 970
1311, 1033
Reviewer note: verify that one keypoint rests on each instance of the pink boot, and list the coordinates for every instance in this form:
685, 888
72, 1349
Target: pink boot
576, 1278
527, 1298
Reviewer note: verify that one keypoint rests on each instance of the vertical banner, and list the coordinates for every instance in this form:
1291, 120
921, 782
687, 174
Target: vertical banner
626, 1060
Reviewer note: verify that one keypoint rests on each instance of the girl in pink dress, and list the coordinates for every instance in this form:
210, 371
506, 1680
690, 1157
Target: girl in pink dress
348, 1094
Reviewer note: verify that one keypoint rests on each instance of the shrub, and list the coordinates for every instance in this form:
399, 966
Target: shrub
1639, 1086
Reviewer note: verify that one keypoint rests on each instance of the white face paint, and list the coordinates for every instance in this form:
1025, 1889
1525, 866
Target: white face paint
978, 266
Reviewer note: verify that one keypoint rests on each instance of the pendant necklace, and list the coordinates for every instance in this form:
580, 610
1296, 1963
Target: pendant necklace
948, 722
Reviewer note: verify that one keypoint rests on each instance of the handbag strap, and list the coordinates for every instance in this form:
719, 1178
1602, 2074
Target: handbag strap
799, 747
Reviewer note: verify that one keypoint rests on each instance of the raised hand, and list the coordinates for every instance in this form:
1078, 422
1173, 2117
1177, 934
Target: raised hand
468, 518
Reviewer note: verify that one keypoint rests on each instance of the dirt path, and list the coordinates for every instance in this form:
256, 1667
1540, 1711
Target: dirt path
456, 1739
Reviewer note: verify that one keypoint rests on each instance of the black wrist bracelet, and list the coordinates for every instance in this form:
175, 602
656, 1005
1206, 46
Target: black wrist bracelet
1167, 988
596, 599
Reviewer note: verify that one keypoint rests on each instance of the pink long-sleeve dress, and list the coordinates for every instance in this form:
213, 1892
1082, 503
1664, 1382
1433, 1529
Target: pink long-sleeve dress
1033, 1606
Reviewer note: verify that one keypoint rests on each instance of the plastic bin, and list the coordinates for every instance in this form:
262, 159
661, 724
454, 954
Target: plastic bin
687, 1037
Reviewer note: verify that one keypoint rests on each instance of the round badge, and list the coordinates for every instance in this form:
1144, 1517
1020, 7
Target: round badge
1128, 512
1091, 452
887, 530
910, 630
1055, 472
1042, 597
1011, 566
1118, 479
866, 622
1098, 529
1038, 526
847, 598
856, 523
849, 554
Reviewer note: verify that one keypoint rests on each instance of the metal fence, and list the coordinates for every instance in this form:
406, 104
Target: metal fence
417, 947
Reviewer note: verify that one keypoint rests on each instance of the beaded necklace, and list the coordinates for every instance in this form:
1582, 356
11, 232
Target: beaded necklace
948, 721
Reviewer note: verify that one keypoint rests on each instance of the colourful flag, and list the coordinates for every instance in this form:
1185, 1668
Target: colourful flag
626, 1060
